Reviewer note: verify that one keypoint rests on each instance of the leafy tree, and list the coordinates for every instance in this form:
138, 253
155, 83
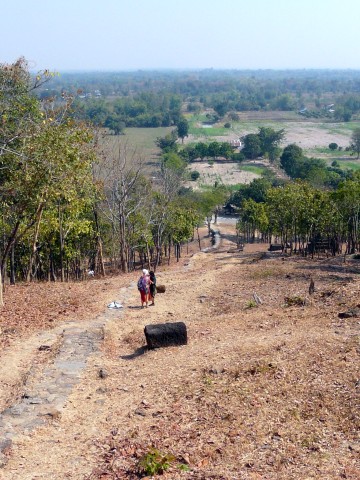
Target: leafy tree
252, 217
269, 142
115, 124
333, 146
167, 143
201, 150
221, 108
214, 150
355, 139
290, 159
44, 156
182, 128
252, 146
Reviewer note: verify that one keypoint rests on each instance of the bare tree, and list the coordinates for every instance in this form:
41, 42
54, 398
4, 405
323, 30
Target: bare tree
126, 192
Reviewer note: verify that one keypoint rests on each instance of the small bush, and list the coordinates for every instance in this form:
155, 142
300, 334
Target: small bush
227, 125
333, 146
194, 175
295, 301
155, 462
251, 304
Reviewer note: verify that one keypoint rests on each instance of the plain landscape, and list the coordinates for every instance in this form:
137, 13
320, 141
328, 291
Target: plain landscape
242, 192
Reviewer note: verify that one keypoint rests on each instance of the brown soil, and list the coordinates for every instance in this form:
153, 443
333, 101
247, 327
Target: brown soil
260, 392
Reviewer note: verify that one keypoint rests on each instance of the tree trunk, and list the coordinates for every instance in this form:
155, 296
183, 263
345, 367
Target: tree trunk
1, 291
100, 268
34, 247
12, 266
198, 236
61, 238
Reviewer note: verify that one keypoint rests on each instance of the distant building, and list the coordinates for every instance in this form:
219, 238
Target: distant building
235, 143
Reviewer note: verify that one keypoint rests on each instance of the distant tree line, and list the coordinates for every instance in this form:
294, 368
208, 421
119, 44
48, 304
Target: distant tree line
142, 110
222, 91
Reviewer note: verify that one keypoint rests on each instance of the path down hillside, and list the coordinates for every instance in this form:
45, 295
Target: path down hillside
259, 392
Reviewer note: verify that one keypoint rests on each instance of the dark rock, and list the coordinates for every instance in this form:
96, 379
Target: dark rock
103, 373
165, 334
352, 312
5, 444
44, 348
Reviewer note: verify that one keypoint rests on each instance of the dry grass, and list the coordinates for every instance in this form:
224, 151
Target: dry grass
264, 393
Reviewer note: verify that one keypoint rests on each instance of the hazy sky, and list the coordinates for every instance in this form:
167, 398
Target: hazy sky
150, 34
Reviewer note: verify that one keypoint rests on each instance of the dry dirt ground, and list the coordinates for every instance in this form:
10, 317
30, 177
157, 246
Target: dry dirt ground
259, 392
224, 172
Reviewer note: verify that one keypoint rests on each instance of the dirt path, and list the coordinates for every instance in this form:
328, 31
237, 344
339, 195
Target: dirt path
263, 392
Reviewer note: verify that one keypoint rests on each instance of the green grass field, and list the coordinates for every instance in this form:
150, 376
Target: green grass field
253, 169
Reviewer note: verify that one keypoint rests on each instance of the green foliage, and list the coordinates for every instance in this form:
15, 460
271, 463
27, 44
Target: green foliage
251, 304
194, 175
167, 143
155, 462
252, 146
264, 143
182, 128
145, 109
355, 138
294, 300
333, 146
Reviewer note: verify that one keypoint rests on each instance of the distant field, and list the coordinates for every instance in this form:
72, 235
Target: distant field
140, 143
353, 164
224, 173
313, 136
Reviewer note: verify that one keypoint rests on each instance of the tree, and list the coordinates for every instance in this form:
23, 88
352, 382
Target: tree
167, 143
115, 124
214, 149
201, 150
44, 156
127, 195
221, 108
182, 128
333, 146
355, 139
269, 142
252, 146
291, 158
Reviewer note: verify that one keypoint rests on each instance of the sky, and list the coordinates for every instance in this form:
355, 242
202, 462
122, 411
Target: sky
98, 35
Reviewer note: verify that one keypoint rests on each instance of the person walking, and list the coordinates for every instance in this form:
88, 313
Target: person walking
144, 287
152, 287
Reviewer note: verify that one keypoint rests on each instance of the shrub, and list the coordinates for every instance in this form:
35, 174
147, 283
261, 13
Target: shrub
227, 125
155, 462
333, 146
194, 175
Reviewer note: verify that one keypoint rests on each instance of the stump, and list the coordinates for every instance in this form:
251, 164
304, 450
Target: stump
160, 288
165, 334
